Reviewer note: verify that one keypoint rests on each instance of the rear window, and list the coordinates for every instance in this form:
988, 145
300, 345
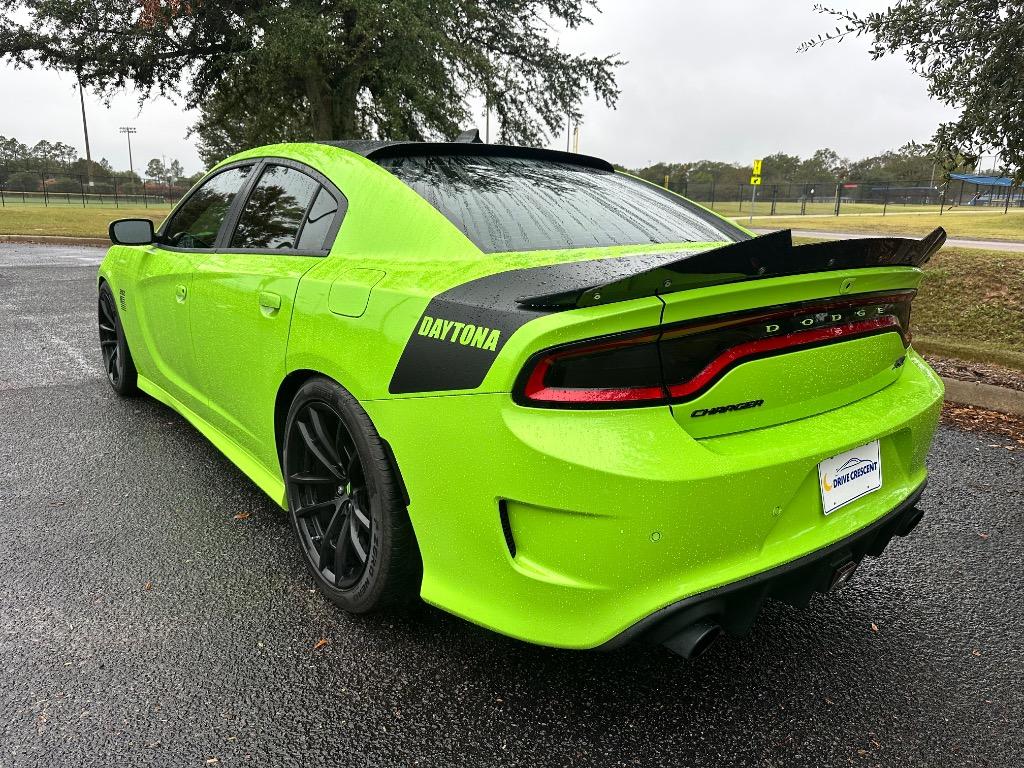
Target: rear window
514, 204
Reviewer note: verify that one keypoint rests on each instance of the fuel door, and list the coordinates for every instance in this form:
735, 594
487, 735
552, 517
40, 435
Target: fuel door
350, 292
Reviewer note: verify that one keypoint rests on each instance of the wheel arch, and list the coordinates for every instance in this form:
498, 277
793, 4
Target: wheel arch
289, 387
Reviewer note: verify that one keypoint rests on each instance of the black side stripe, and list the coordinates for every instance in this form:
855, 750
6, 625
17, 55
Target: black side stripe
459, 354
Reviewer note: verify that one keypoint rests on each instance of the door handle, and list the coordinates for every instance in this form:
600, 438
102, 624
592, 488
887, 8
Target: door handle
270, 301
179, 293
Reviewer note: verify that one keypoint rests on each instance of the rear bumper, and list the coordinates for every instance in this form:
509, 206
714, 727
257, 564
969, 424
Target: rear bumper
733, 608
568, 528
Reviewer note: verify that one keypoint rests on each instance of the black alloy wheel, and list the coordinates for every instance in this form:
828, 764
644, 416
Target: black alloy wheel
327, 488
117, 360
347, 502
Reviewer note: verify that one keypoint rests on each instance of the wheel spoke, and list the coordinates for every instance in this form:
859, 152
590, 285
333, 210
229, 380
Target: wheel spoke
108, 343
358, 514
341, 552
305, 478
107, 329
318, 453
318, 507
323, 441
353, 535
108, 312
325, 538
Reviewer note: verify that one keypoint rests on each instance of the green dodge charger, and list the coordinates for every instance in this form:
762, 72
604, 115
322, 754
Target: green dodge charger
549, 397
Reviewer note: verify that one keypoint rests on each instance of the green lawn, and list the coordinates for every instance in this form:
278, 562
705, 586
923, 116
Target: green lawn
69, 221
971, 306
993, 226
794, 208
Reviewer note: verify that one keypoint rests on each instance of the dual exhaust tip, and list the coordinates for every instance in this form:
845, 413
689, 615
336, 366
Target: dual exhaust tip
695, 639
702, 631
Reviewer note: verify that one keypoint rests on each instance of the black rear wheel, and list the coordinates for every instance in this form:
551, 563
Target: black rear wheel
346, 502
117, 359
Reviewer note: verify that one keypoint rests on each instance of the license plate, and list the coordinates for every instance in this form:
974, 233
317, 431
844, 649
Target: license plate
849, 476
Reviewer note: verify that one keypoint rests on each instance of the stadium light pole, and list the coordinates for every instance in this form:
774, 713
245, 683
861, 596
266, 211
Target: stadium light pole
85, 130
129, 131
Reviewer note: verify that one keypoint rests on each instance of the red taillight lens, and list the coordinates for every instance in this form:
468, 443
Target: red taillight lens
680, 362
608, 371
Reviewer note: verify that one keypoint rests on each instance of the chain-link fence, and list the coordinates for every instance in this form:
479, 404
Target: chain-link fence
53, 188
843, 197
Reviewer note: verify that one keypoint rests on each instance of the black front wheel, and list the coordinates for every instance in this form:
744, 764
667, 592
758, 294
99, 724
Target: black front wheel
117, 359
346, 501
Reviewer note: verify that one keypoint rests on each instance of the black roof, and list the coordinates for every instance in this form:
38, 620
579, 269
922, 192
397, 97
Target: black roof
379, 150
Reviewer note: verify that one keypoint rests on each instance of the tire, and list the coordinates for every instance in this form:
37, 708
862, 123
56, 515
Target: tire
346, 502
117, 358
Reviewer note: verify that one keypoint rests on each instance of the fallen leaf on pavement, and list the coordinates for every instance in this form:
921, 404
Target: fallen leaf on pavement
874, 627
241, 516
320, 643
149, 586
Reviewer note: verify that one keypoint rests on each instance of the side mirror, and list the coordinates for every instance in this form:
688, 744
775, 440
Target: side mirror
131, 232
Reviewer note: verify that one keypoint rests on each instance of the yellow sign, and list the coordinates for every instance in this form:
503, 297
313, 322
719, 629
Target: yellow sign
757, 167
755, 181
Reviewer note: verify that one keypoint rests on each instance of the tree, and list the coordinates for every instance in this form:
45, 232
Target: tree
780, 167
823, 165
42, 154
91, 169
64, 154
12, 152
174, 171
155, 169
262, 70
971, 54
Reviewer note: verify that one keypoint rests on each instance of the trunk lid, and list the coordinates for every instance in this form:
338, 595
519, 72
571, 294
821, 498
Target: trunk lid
744, 351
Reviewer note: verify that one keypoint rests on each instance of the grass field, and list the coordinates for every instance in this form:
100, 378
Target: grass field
826, 208
69, 221
971, 306
991, 226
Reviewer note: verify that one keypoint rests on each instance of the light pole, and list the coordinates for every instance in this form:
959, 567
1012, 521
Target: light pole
129, 131
85, 130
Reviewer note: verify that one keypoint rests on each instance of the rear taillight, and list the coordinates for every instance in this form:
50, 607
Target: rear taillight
680, 362
608, 371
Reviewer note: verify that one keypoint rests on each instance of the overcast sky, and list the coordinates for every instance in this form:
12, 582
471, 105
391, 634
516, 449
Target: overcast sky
716, 80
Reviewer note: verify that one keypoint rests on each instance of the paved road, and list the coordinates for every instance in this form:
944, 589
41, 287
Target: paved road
953, 242
100, 497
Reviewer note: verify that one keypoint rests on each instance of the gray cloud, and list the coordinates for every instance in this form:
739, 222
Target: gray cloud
704, 80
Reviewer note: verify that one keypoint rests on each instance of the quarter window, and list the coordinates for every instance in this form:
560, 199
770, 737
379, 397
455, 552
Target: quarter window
318, 222
196, 223
275, 210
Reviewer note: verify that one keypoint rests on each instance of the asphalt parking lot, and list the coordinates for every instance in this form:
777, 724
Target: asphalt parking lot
154, 610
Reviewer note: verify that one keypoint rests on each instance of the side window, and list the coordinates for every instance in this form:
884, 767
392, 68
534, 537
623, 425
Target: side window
196, 223
318, 222
275, 209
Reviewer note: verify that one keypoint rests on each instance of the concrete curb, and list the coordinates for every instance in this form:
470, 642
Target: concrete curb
986, 396
95, 242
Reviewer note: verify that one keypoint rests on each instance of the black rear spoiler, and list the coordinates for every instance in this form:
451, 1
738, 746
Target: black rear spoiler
771, 255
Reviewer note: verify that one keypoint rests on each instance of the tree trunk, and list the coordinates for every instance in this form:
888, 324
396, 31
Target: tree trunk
346, 98
321, 102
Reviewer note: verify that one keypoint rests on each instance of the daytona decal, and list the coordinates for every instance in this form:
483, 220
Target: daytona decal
465, 334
